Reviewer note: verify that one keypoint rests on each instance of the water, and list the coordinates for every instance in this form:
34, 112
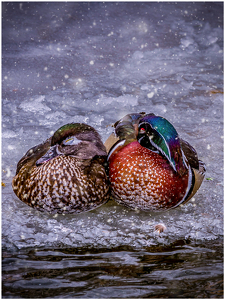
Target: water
176, 271
94, 63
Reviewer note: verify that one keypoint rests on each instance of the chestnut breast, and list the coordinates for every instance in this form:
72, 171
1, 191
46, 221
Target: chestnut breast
141, 178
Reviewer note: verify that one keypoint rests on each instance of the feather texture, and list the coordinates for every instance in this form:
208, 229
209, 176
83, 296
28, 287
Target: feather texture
61, 177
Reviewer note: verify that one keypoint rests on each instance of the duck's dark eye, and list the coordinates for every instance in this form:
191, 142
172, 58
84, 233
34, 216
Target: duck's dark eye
142, 130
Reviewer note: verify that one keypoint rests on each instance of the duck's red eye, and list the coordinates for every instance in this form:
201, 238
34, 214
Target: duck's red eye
142, 130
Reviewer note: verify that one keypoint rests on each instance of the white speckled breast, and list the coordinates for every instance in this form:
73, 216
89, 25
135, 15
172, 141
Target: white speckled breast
61, 186
143, 179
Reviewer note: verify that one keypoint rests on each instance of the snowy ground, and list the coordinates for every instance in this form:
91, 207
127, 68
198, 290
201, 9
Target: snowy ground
94, 63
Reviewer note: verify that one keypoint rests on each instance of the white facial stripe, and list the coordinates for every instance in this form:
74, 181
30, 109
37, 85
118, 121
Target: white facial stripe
188, 187
120, 143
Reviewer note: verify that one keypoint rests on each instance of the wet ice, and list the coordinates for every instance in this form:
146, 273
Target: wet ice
94, 63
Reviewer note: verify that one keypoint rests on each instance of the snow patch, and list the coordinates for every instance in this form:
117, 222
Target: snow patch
35, 105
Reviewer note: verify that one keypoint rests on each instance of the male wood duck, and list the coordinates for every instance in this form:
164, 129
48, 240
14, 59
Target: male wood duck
66, 173
150, 167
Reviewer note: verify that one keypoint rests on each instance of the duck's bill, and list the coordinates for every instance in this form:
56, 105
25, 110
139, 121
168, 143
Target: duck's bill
50, 154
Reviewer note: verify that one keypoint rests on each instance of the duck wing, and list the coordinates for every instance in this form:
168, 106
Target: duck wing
190, 153
33, 154
197, 166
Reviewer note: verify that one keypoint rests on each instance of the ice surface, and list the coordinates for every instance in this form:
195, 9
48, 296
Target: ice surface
94, 63
35, 105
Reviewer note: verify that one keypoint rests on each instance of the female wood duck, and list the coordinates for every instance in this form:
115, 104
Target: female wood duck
66, 173
150, 167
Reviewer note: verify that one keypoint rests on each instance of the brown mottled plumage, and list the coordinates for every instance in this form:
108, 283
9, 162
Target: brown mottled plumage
66, 173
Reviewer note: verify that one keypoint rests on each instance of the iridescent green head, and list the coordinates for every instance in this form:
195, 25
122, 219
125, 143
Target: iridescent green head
157, 134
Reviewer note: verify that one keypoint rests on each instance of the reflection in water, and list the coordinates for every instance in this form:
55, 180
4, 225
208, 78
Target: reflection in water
181, 270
